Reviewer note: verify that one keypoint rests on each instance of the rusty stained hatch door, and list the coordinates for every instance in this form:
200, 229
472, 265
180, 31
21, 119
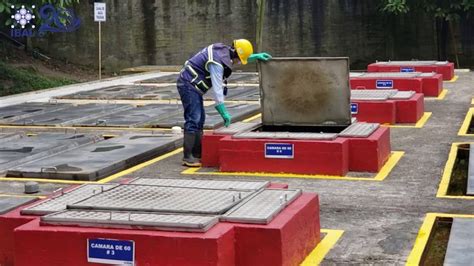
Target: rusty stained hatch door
305, 91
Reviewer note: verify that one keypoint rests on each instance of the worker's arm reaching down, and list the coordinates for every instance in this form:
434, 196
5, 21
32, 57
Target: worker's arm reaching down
217, 72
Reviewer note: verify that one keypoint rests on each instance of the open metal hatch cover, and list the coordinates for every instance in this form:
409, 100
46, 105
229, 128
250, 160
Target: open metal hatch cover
305, 91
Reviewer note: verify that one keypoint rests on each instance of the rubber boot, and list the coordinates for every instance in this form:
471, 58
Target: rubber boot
197, 150
188, 145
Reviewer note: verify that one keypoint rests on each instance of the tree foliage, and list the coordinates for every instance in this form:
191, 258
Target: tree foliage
449, 10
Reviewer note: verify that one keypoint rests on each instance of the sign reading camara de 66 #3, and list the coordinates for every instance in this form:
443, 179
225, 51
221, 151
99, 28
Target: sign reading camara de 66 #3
111, 251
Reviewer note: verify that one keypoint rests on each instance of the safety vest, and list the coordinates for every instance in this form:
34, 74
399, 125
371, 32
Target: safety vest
196, 70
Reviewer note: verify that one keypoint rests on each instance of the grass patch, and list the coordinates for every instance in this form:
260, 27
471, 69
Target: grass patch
458, 182
18, 80
437, 245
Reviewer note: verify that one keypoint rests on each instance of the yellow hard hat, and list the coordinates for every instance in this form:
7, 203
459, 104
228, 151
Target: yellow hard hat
244, 49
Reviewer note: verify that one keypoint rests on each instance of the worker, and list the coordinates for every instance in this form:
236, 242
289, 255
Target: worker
209, 68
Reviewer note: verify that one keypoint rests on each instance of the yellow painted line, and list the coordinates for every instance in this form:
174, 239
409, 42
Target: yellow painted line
465, 124
381, 175
102, 181
22, 196
441, 96
424, 233
462, 70
420, 124
453, 79
252, 118
140, 166
325, 245
448, 169
421, 240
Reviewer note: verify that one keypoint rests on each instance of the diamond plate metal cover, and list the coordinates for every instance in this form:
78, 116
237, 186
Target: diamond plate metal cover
163, 199
59, 202
172, 222
425, 75
372, 95
199, 183
410, 63
403, 95
236, 128
305, 91
359, 130
284, 135
262, 207
391, 75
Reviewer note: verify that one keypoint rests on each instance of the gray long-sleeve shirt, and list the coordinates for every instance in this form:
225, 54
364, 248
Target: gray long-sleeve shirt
217, 73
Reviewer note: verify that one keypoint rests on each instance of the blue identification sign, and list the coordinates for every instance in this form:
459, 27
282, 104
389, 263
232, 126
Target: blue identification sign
384, 84
354, 108
407, 69
111, 251
279, 150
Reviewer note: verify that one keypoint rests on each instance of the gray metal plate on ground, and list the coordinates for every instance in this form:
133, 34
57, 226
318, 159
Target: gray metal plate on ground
412, 63
60, 201
10, 203
199, 183
134, 117
28, 148
238, 127
71, 115
387, 75
262, 207
174, 222
238, 111
284, 135
470, 172
303, 91
112, 92
372, 95
98, 160
359, 130
402, 95
236, 77
25, 110
460, 250
163, 199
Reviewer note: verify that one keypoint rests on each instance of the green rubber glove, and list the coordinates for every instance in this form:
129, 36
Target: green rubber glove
259, 56
223, 112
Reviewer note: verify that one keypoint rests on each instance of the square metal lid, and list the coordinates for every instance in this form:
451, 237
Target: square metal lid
305, 91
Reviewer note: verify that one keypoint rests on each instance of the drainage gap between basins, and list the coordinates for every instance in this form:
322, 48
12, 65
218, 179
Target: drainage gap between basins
458, 182
437, 244
470, 130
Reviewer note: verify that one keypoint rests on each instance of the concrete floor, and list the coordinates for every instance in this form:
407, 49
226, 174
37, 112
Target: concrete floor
380, 219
